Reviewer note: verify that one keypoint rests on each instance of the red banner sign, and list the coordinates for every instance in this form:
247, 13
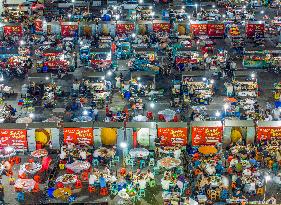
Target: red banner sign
38, 26
125, 28
69, 30
13, 30
252, 29
101, 61
14, 138
206, 135
199, 29
78, 135
161, 27
172, 136
215, 30
268, 133
57, 63
186, 60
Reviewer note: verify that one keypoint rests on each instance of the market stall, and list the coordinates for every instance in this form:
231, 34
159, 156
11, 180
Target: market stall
188, 58
144, 11
242, 131
143, 27
254, 58
273, 57
41, 88
145, 60
124, 28
206, 133
245, 84
95, 88
105, 28
196, 88
105, 42
124, 49
55, 60
101, 58
69, 29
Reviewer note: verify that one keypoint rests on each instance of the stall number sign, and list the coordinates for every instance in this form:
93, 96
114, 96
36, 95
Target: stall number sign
199, 29
206, 135
159, 27
172, 136
268, 133
251, 29
13, 30
125, 28
14, 138
69, 30
216, 30
78, 135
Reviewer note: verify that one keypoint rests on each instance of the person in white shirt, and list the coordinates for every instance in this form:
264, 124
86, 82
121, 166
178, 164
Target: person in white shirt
177, 153
70, 146
150, 174
92, 179
142, 183
165, 184
62, 155
83, 155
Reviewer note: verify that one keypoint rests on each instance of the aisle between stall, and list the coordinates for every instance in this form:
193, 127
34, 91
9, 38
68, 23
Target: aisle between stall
196, 88
176, 94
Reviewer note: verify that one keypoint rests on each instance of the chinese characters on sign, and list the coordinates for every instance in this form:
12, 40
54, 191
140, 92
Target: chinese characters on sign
172, 136
13, 30
268, 133
161, 27
14, 138
125, 28
78, 135
206, 135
